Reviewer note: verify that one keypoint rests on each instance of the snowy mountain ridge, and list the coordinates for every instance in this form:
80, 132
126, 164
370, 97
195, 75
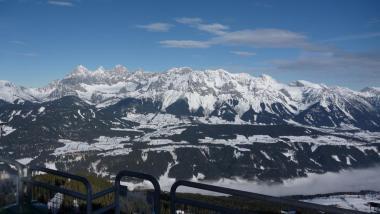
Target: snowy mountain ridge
201, 90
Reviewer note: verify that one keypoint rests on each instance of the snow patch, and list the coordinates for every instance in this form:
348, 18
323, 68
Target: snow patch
24, 161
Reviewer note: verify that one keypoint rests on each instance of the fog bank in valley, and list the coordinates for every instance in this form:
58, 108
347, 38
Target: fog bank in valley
343, 181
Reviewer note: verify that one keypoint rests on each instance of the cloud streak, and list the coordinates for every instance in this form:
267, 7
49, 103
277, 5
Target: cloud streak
354, 37
156, 27
184, 44
17, 42
243, 53
374, 21
262, 38
338, 61
270, 38
197, 23
61, 3
222, 35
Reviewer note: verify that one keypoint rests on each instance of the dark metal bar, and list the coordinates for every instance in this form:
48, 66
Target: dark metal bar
103, 193
288, 202
156, 185
58, 189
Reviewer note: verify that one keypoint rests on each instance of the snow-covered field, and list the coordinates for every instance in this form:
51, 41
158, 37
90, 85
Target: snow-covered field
7, 130
102, 144
348, 201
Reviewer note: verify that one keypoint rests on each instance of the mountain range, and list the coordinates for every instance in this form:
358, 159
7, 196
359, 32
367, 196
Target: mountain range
190, 124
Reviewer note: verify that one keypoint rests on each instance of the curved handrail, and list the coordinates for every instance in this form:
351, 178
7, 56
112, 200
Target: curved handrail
245, 194
156, 185
83, 180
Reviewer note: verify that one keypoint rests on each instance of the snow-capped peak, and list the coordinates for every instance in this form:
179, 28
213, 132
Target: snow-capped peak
79, 70
5, 83
100, 70
120, 69
11, 92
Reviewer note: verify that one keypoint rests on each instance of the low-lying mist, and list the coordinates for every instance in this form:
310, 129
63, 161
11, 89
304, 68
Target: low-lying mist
343, 181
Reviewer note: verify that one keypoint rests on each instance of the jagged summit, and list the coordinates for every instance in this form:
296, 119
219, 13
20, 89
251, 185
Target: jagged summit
79, 70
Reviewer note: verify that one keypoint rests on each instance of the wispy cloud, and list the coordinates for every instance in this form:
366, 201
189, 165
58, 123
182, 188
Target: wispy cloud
195, 22
28, 54
222, 35
156, 27
338, 61
374, 21
184, 44
14, 53
272, 38
61, 3
17, 42
263, 4
189, 20
266, 38
243, 53
214, 28
354, 37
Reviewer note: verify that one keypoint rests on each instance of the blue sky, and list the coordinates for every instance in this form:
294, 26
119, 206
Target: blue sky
336, 42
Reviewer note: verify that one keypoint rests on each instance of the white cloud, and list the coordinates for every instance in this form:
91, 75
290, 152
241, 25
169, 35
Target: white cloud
17, 42
354, 37
214, 28
243, 53
263, 4
61, 3
374, 21
156, 27
264, 38
184, 44
29, 54
338, 61
187, 20
272, 38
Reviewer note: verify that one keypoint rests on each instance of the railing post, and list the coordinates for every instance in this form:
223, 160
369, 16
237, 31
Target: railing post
173, 190
89, 200
117, 195
29, 187
20, 189
156, 185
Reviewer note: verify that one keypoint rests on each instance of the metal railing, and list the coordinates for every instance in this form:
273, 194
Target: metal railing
132, 174
89, 197
233, 192
174, 199
21, 173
